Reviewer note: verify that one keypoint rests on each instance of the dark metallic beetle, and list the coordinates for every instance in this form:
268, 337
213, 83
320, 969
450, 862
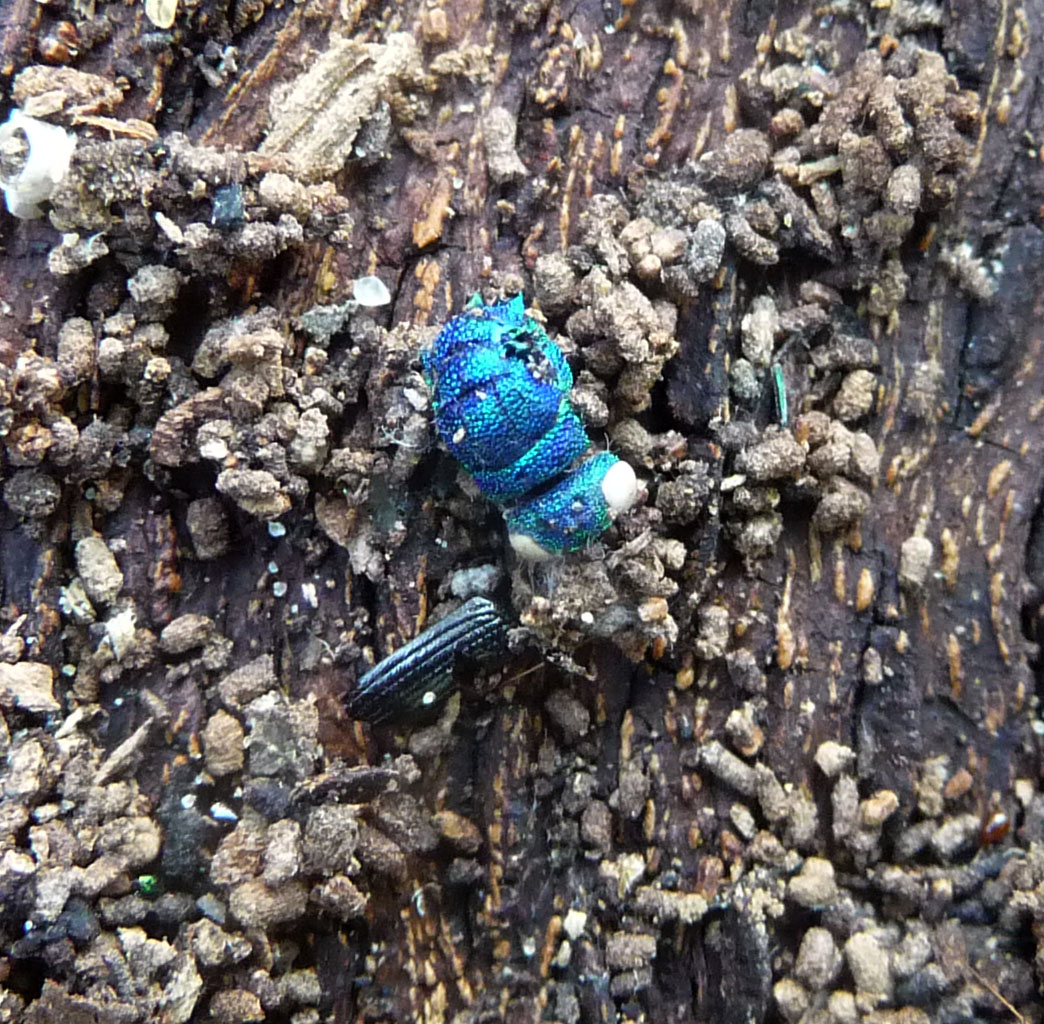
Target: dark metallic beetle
420, 673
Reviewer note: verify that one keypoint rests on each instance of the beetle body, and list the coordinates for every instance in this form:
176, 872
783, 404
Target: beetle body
419, 674
501, 398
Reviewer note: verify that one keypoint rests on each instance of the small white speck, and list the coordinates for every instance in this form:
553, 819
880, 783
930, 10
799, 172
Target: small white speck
279, 589
308, 592
161, 12
276, 529
371, 291
46, 162
222, 812
188, 801
574, 923
428, 699
273, 568
214, 449
169, 228
416, 398
459, 434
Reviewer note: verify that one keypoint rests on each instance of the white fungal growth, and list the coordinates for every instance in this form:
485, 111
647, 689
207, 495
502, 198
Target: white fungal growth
371, 291
49, 149
620, 487
525, 547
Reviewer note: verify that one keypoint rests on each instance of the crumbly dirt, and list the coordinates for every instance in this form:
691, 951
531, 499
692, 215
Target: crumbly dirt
768, 751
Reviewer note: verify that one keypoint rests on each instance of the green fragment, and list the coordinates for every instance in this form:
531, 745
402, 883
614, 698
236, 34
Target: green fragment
781, 393
148, 885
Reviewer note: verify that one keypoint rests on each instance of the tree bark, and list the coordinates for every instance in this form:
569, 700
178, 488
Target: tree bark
650, 828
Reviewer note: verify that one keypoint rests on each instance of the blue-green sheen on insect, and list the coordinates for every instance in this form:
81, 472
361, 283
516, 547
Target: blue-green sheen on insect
501, 398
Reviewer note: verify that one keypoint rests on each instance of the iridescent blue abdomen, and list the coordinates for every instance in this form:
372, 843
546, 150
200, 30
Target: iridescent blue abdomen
501, 399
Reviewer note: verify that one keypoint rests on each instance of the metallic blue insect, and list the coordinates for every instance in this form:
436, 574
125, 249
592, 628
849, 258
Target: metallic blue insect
501, 397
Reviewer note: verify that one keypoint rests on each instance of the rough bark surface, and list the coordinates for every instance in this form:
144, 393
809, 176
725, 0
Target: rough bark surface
770, 753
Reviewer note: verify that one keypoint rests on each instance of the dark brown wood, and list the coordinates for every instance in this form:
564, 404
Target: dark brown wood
564, 843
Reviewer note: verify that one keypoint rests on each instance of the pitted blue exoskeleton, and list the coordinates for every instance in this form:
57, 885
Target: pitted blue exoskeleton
500, 389
501, 397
